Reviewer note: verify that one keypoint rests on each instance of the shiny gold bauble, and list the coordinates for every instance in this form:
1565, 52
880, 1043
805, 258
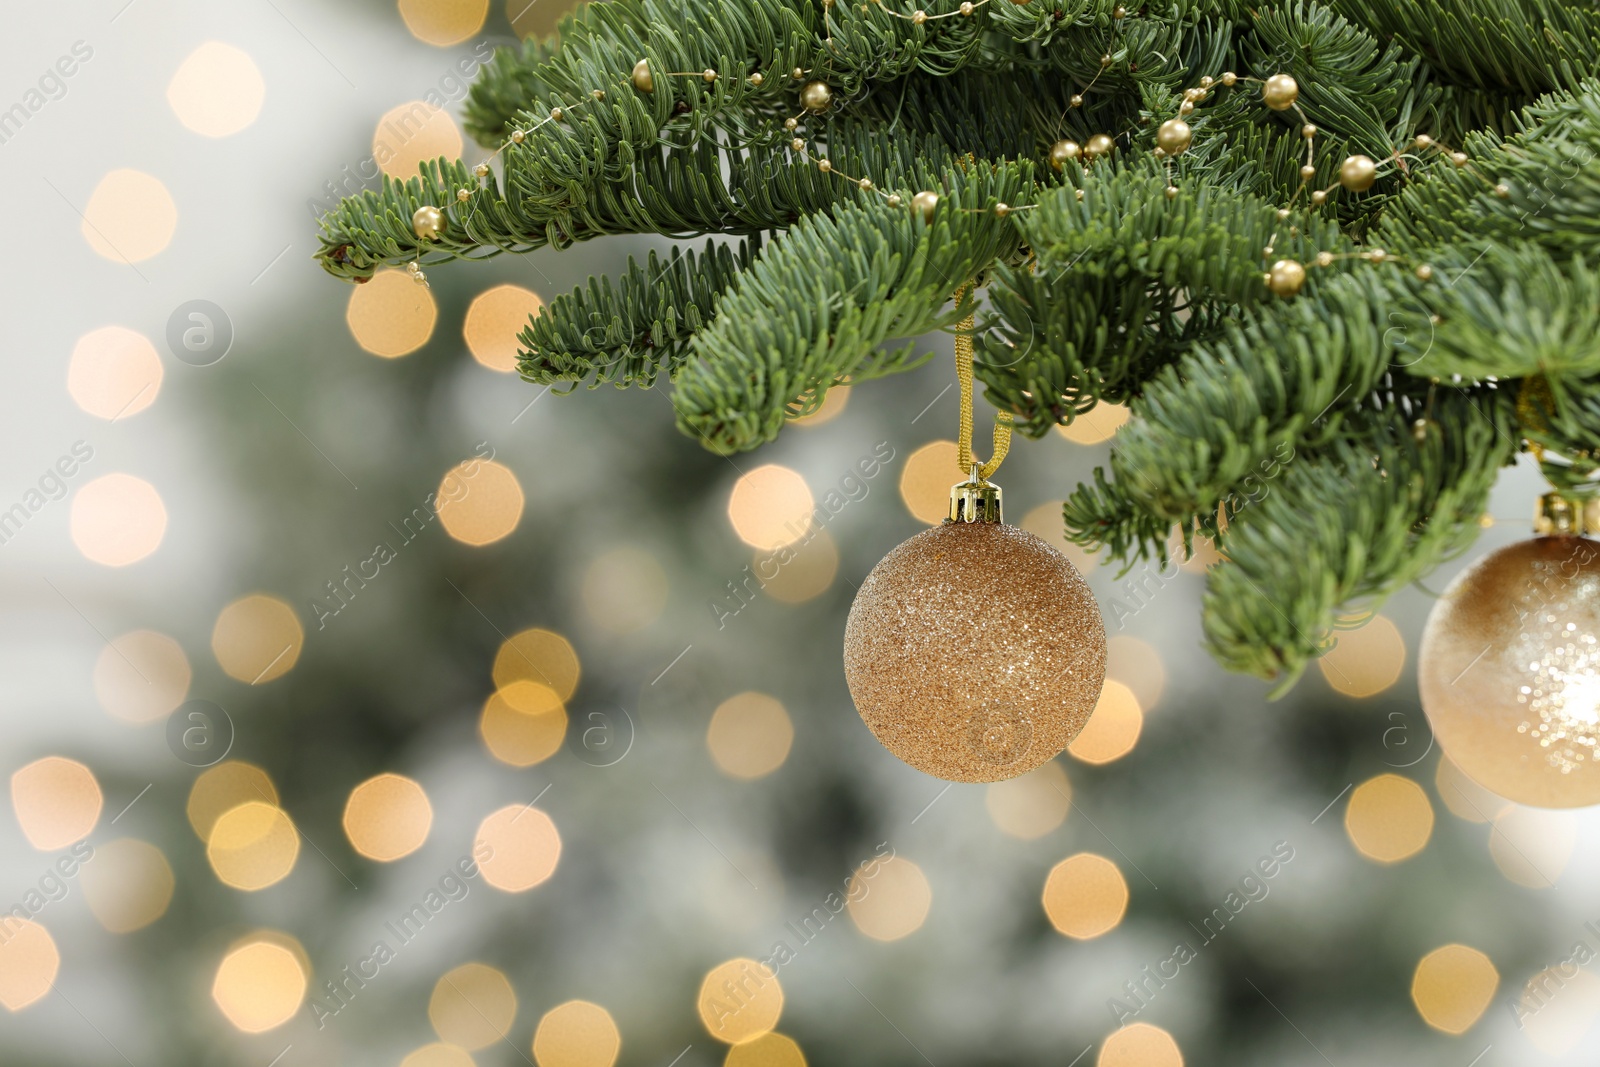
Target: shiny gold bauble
975, 652
1286, 277
924, 203
1280, 91
1099, 145
427, 222
1509, 672
1357, 173
643, 80
816, 95
1174, 136
1063, 152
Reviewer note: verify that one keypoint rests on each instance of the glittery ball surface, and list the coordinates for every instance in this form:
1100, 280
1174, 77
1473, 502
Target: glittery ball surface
1509, 672
975, 651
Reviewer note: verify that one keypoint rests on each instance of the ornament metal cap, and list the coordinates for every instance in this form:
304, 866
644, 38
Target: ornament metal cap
975, 500
1561, 515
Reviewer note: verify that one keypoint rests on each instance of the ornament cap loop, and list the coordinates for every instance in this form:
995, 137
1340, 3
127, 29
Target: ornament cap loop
1559, 514
975, 500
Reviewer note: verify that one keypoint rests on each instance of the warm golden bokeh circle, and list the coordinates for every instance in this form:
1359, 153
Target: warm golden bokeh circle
1113, 729
624, 590
472, 1006
141, 676
224, 787
57, 802
1045, 523
493, 321
130, 217
523, 724
1532, 846
1365, 661
926, 479
480, 501
1389, 818
805, 576
1137, 665
253, 846
128, 884
1030, 805
769, 1050
114, 372
538, 655
257, 638
387, 816
1085, 895
889, 899
391, 315
1099, 423
260, 984
217, 90
118, 519
1465, 798
1139, 1045
438, 1054
750, 735
576, 1034
1452, 987
444, 22
740, 1000
411, 134
29, 961
833, 404
526, 848
770, 507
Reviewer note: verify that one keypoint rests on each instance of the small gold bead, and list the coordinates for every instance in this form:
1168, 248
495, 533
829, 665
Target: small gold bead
966, 7
1377, 255
556, 113
1319, 198
1308, 131
1159, 152
1172, 192
1229, 78
816, 96
1105, 60
798, 145
1286, 278
797, 74
413, 266
918, 17
1080, 194
1458, 158
1419, 430
463, 195
1307, 172
1324, 259
598, 94
1185, 108
642, 79
709, 75
1358, 173
1063, 152
1174, 137
1279, 92
1283, 213
924, 204
1425, 273
1001, 210
1424, 141
427, 222
791, 123
1076, 101
894, 200
824, 166
517, 136
1119, 12
1266, 253
1502, 190
1207, 82
756, 79
1193, 94
865, 184
1099, 145
420, 278
481, 170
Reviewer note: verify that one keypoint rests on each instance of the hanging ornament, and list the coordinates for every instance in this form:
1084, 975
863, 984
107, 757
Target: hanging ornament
974, 651
1509, 669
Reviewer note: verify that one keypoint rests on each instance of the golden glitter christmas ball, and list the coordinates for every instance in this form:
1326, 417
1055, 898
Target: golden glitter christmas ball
1509, 672
975, 652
